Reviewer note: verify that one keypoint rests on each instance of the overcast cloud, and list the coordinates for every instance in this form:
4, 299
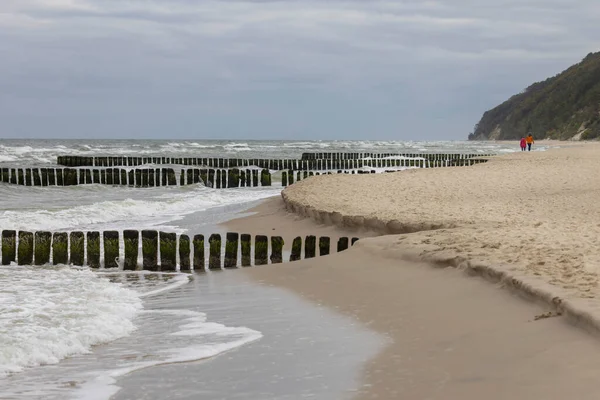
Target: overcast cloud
289, 69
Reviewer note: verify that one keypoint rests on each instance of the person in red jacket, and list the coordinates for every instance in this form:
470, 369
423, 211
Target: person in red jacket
523, 144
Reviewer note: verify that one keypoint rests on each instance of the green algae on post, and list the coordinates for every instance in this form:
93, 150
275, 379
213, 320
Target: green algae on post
342, 244
77, 248
199, 264
93, 249
265, 178
310, 244
231, 249
184, 253
42, 248
296, 249
131, 241
150, 250
277, 249
284, 180
324, 244
214, 258
261, 250
9, 251
60, 245
233, 178
111, 249
168, 251
245, 242
25, 249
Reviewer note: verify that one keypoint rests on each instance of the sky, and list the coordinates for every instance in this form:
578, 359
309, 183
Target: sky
280, 69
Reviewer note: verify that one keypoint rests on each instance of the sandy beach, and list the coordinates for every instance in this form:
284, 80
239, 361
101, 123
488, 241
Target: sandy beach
454, 334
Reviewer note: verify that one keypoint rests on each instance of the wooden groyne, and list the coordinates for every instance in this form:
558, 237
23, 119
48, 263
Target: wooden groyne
145, 177
307, 163
153, 250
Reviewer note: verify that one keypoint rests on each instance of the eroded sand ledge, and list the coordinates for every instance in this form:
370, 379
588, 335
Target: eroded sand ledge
530, 220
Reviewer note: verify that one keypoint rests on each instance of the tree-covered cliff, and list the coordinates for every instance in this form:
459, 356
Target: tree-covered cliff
562, 107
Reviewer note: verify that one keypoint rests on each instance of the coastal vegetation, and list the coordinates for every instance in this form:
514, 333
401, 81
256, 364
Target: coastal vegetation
566, 106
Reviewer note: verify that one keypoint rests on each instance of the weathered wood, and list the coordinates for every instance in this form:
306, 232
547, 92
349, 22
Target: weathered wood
214, 259
184, 253
296, 249
199, 260
93, 249
310, 244
111, 249
131, 241
77, 245
231, 249
354, 240
150, 250
25, 248
324, 245
60, 248
246, 250
261, 250
168, 251
9, 247
277, 249
342, 244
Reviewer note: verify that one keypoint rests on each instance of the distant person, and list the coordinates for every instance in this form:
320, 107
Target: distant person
530, 141
523, 144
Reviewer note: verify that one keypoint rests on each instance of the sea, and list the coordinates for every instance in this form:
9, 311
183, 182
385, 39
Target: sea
72, 333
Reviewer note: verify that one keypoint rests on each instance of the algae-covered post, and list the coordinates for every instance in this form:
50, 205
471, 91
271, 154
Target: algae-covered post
60, 245
254, 177
111, 249
277, 249
265, 178
261, 250
233, 178
42, 248
342, 244
93, 249
310, 244
25, 249
214, 258
284, 180
9, 252
231, 249
168, 251
150, 250
296, 249
77, 248
131, 241
324, 245
184, 253
199, 253
245, 240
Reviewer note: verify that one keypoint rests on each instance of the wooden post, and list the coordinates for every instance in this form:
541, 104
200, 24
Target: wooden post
199, 263
171, 177
324, 245
217, 184
182, 178
27, 176
310, 244
354, 240
116, 176
224, 179
150, 250
9, 252
284, 180
168, 251
234, 178
184, 253
111, 249
261, 250
93, 249
77, 248
231, 249
60, 245
277, 249
138, 178
13, 176
25, 249
21, 177
254, 177
123, 177
265, 178
88, 176
214, 259
109, 176
44, 176
246, 250
296, 249
131, 241
342, 244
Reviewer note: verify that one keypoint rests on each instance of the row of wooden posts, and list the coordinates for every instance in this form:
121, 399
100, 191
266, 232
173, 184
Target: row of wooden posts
357, 156
159, 250
217, 179
416, 160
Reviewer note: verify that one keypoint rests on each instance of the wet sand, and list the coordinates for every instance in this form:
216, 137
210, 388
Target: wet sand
453, 336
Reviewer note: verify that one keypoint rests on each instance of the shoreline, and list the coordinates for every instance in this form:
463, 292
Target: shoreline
439, 336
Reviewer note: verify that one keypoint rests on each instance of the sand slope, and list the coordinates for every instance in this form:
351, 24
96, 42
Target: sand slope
533, 213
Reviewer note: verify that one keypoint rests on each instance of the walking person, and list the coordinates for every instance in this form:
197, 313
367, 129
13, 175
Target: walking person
529, 141
523, 144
